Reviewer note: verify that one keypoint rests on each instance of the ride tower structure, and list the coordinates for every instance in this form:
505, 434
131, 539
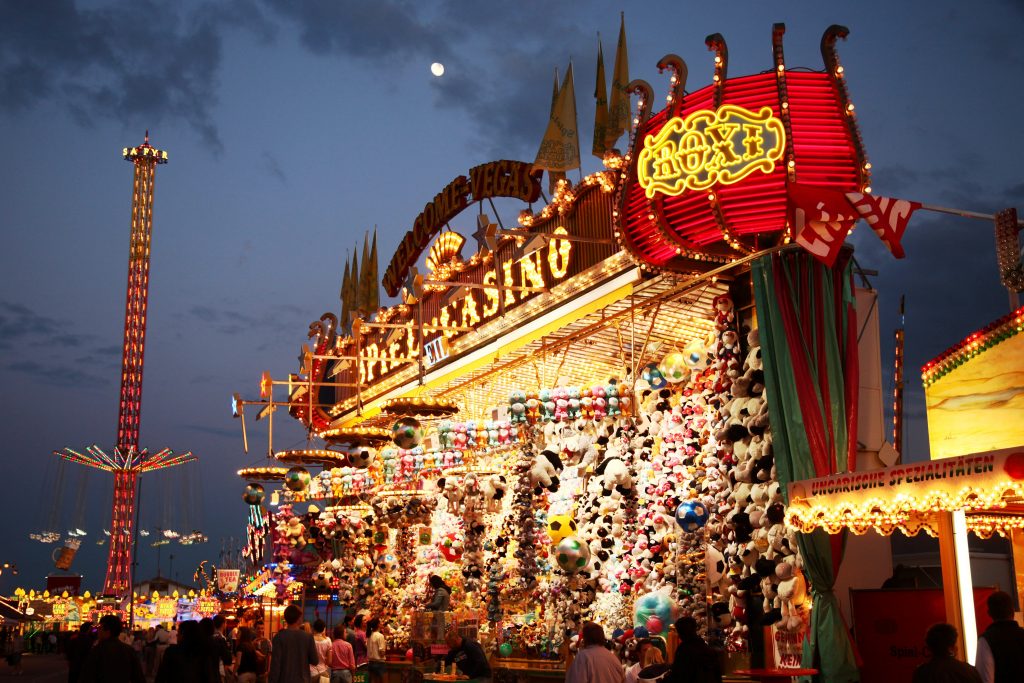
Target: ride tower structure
129, 460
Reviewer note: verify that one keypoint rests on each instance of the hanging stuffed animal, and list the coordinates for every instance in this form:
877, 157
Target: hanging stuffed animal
545, 470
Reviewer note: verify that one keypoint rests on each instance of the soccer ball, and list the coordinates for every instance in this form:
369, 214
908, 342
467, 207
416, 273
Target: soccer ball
297, 479
361, 456
572, 555
561, 526
407, 433
387, 562
254, 494
691, 515
652, 375
673, 367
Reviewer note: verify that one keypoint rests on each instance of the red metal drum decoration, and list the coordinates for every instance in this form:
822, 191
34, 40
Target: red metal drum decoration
708, 175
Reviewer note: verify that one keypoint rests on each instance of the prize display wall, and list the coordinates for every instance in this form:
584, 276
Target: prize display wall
627, 503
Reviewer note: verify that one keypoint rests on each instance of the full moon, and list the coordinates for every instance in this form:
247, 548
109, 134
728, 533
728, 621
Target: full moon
437, 68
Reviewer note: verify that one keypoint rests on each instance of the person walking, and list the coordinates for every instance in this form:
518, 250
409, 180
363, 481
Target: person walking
467, 655
942, 667
594, 662
220, 645
189, 659
293, 651
376, 649
695, 661
321, 671
77, 650
343, 660
249, 662
1000, 657
110, 660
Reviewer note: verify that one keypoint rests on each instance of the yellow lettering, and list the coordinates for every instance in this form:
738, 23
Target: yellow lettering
558, 254
510, 296
703, 150
470, 317
490, 294
530, 271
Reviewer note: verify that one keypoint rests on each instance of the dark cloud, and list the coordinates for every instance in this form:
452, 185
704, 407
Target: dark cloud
135, 62
232, 321
55, 375
22, 326
385, 31
273, 167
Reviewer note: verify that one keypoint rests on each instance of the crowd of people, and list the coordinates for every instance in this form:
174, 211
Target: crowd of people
207, 651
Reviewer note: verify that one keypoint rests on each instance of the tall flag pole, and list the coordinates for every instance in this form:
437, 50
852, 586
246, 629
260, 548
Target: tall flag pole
601, 111
618, 106
897, 391
560, 149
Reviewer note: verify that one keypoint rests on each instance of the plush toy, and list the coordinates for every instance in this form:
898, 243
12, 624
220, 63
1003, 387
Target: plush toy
792, 592
494, 488
517, 406
295, 532
451, 489
614, 476
545, 470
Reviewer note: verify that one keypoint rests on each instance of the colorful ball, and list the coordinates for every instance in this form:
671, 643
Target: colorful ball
407, 433
674, 368
361, 456
652, 375
387, 562
451, 547
691, 515
695, 354
254, 494
297, 479
572, 554
505, 650
560, 527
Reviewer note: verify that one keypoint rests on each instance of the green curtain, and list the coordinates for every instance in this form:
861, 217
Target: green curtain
807, 324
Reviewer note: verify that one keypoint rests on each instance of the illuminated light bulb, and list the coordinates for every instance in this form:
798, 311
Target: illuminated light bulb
781, 67
849, 107
839, 69
718, 59
867, 166
867, 190
785, 105
792, 164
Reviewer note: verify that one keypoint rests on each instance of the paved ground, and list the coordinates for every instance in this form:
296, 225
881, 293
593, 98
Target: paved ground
41, 668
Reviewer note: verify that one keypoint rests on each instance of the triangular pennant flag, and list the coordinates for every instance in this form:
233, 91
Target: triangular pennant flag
554, 176
887, 216
355, 302
618, 105
560, 148
820, 219
601, 112
345, 294
373, 295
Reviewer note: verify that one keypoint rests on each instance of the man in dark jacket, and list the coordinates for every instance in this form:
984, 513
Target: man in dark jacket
77, 650
467, 655
110, 660
695, 661
1001, 647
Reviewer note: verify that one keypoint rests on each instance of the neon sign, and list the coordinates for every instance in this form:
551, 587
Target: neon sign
708, 148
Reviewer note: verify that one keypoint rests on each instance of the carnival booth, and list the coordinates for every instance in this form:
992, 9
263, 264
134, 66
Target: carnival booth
591, 415
974, 402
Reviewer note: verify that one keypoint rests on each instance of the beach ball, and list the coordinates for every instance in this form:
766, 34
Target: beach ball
254, 494
505, 650
297, 479
451, 547
560, 527
653, 609
407, 433
691, 515
572, 554
652, 375
673, 367
361, 456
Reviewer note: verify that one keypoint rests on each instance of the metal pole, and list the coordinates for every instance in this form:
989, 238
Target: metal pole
963, 212
135, 559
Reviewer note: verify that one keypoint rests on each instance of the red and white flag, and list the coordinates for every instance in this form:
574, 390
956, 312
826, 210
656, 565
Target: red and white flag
888, 217
820, 218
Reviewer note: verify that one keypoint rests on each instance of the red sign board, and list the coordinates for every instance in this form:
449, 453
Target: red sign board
58, 584
709, 175
889, 628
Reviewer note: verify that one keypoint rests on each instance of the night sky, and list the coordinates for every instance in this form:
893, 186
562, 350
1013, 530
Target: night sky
293, 127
